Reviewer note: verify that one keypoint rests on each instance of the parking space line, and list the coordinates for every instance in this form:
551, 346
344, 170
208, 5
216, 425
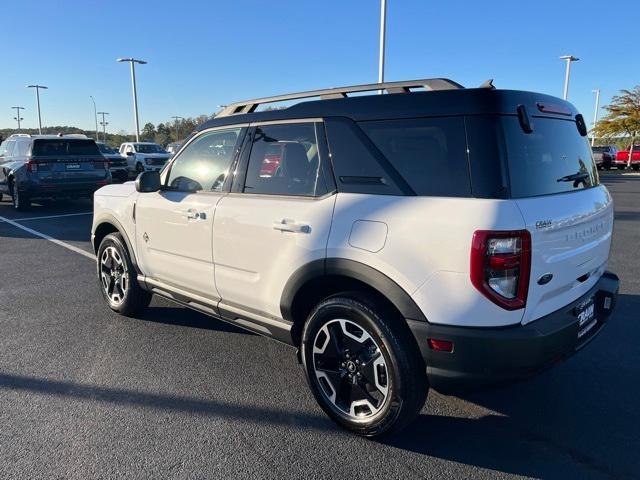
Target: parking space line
44, 236
24, 219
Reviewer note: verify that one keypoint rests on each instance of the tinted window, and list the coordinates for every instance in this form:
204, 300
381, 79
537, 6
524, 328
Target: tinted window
149, 148
600, 149
429, 153
554, 158
106, 148
204, 164
284, 160
357, 164
61, 148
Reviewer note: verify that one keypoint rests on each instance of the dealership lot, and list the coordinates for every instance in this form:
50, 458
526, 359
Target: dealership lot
86, 393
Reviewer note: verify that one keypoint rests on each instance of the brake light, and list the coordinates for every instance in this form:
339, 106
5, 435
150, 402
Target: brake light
101, 165
32, 166
501, 266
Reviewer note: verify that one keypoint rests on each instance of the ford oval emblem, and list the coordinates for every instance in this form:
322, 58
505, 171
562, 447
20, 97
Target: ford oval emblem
544, 279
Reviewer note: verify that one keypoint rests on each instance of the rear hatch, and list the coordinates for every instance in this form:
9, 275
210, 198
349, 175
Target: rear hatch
555, 184
67, 161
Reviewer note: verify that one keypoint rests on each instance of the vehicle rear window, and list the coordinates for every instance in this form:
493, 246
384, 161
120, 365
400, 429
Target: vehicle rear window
554, 158
61, 148
429, 153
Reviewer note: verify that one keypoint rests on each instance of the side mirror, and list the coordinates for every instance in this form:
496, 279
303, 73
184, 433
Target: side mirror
148, 182
129, 154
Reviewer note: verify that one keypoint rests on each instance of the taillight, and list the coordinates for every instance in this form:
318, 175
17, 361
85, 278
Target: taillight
501, 266
101, 165
32, 166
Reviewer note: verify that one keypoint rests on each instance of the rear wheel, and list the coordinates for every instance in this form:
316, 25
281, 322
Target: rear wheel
117, 276
362, 365
20, 200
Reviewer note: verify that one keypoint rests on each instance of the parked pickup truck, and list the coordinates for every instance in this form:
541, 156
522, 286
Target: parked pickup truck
622, 158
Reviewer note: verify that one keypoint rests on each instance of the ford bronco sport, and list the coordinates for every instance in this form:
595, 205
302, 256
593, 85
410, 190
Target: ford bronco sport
432, 236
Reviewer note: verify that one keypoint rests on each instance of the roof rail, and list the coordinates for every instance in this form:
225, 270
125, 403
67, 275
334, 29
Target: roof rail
19, 135
249, 106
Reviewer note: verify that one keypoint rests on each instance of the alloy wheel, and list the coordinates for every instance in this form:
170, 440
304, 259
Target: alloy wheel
113, 275
351, 369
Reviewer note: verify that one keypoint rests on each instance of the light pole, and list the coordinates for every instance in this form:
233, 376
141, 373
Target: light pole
568, 59
18, 117
176, 118
104, 126
38, 87
595, 116
383, 28
132, 62
95, 115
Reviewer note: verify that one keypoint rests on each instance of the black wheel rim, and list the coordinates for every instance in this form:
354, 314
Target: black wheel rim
113, 275
350, 369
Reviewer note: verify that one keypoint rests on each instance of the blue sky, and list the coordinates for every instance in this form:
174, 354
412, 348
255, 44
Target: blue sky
205, 53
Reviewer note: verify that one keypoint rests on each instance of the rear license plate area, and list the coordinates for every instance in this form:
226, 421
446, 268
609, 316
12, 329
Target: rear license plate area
72, 166
585, 312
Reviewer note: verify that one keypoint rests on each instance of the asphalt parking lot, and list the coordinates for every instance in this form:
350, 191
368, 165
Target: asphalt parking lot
85, 393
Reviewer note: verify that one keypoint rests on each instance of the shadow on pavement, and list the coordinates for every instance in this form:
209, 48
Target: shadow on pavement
93, 393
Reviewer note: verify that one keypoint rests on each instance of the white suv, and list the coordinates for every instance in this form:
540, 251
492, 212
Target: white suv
144, 156
446, 238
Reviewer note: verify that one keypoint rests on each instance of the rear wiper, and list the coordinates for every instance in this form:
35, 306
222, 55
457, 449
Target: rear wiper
575, 177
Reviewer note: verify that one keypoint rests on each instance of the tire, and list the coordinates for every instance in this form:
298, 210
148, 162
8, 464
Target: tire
139, 168
636, 167
117, 278
388, 375
19, 200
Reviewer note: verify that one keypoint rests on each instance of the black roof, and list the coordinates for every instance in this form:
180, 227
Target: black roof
464, 101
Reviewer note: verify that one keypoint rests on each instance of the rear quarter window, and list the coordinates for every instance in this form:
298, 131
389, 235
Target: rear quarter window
429, 153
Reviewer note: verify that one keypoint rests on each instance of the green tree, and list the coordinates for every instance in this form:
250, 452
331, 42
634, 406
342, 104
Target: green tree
622, 119
148, 132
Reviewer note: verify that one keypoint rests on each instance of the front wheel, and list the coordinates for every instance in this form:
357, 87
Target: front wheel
117, 276
139, 168
363, 366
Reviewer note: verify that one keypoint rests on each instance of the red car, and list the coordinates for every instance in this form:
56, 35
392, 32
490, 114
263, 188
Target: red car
622, 158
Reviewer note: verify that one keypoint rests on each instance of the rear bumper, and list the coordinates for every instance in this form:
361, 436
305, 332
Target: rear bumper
50, 190
488, 356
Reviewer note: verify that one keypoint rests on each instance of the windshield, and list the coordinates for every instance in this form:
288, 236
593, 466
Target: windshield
554, 158
64, 147
600, 149
106, 148
149, 148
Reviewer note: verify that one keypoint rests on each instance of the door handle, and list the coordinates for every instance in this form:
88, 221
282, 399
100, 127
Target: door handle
291, 226
193, 214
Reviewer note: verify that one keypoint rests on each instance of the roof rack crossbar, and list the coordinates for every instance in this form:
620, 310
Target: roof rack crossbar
249, 106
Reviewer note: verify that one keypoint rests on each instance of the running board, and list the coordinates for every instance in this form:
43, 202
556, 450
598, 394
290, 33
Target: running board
253, 321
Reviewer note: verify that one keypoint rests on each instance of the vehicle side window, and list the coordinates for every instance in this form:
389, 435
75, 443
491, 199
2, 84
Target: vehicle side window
429, 153
204, 164
21, 148
128, 149
6, 149
285, 160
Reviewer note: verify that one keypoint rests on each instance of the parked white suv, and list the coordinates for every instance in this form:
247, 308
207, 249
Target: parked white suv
144, 156
448, 238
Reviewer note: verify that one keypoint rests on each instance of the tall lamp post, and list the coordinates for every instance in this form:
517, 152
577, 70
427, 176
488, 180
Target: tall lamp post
567, 73
95, 114
18, 117
132, 62
383, 28
176, 118
595, 116
38, 88
104, 124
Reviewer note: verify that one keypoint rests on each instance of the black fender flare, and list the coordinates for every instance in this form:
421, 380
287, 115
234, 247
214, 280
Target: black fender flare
377, 280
